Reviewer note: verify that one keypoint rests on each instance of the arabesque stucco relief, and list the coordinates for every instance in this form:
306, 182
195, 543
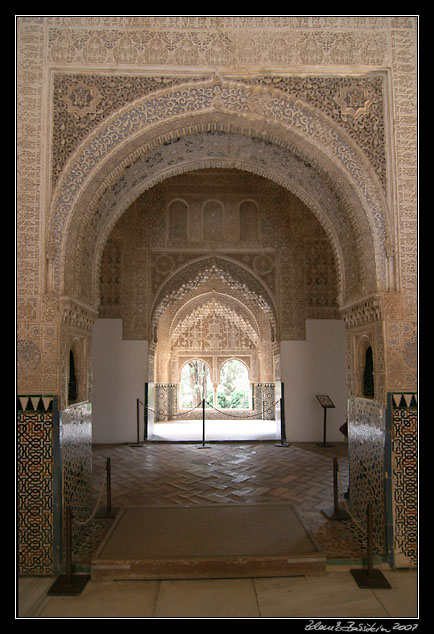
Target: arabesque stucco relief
313, 112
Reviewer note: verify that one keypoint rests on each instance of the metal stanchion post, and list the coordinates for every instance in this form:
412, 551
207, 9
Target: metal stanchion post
109, 512
282, 442
337, 513
324, 442
370, 577
203, 446
68, 584
109, 486
138, 443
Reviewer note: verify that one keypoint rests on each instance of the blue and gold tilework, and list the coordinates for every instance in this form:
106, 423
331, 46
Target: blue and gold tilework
402, 485
37, 484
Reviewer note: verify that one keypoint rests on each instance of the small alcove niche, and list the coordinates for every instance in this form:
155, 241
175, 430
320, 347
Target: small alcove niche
72, 382
76, 388
365, 356
368, 374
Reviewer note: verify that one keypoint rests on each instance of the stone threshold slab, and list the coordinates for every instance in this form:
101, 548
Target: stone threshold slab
213, 541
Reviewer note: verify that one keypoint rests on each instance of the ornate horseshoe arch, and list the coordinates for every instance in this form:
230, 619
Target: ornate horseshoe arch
218, 124
234, 275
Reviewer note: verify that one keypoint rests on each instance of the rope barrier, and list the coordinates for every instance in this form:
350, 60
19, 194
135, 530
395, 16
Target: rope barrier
232, 415
255, 414
185, 413
174, 415
95, 509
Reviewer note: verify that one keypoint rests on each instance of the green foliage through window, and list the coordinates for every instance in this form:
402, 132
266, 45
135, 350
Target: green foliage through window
234, 387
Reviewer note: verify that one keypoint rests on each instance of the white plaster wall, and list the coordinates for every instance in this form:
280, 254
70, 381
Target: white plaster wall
315, 366
119, 375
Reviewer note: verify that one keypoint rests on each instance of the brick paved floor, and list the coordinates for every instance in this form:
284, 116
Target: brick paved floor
224, 473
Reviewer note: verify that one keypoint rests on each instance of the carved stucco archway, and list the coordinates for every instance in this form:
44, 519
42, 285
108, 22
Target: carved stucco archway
219, 124
240, 280
239, 297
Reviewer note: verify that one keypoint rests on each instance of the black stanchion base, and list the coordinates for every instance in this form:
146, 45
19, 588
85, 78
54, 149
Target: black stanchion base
103, 514
375, 580
283, 444
337, 516
324, 444
63, 586
204, 447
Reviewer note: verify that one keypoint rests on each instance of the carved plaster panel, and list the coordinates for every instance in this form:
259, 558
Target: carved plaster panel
81, 102
279, 108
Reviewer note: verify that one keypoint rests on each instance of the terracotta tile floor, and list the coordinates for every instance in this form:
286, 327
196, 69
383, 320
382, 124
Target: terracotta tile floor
179, 473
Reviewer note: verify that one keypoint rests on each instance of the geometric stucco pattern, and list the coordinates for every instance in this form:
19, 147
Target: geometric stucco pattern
82, 102
291, 258
83, 262
229, 98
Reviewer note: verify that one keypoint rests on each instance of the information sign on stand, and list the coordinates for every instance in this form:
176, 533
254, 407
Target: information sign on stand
326, 403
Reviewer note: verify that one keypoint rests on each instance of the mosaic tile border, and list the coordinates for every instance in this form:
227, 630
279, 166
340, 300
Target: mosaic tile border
264, 394
165, 400
402, 481
38, 485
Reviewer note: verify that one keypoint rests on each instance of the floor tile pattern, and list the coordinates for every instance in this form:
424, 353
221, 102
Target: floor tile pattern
224, 473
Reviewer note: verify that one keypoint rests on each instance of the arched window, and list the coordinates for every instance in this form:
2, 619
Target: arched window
178, 220
368, 374
234, 387
248, 221
195, 384
213, 227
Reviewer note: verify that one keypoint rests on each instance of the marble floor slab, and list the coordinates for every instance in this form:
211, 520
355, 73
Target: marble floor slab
333, 595
216, 430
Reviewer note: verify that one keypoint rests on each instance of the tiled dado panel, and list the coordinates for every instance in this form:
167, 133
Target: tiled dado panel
38, 485
76, 452
265, 400
366, 444
165, 400
54, 468
383, 458
402, 467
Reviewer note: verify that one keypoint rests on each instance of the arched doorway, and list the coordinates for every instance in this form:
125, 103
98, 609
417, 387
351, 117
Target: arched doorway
211, 309
215, 301
327, 127
230, 126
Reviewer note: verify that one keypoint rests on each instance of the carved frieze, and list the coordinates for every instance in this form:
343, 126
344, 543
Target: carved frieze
362, 313
78, 316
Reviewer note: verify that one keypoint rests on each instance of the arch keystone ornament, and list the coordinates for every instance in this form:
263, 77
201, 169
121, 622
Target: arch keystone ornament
82, 100
354, 101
